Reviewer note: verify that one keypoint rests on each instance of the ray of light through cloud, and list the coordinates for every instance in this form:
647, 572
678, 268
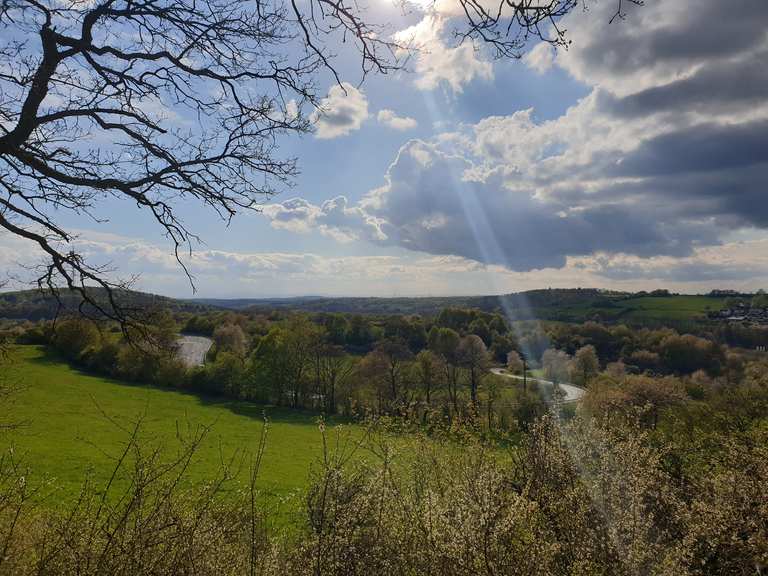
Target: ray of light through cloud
485, 240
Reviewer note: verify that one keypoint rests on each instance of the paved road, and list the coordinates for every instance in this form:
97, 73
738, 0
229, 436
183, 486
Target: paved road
192, 349
572, 393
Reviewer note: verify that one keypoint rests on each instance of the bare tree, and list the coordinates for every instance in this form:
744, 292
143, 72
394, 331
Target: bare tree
556, 364
230, 337
298, 338
160, 102
507, 25
428, 368
445, 343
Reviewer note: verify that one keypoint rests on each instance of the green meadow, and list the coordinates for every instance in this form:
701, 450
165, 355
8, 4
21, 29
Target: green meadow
74, 424
636, 310
671, 307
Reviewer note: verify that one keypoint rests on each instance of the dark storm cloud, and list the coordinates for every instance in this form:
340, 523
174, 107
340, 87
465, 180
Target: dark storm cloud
429, 206
709, 171
714, 87
701, 148
717, 201
692, 31
730, 198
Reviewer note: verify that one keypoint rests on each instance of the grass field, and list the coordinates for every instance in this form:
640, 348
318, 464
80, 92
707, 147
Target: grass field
671, 307
652, 309
67, 429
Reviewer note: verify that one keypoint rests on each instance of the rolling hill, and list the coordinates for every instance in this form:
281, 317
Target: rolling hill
566, 305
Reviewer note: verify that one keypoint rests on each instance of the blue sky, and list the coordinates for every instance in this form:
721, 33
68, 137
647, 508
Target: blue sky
636, 159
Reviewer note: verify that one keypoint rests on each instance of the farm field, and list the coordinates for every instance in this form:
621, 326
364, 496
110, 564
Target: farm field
71, 423
685, 308
671, 307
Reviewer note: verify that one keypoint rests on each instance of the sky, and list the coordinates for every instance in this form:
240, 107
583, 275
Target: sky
635, 159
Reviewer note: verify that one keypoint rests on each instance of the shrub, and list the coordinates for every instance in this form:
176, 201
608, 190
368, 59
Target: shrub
72, 336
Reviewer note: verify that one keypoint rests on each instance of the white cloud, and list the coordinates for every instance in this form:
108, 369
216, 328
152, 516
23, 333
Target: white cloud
540, 58
438, 64
253, 274
343, 111
740, 264
390, 119
295, 214
332, 218
640, 182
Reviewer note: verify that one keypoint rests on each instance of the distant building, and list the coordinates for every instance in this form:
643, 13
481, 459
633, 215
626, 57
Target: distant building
741, 313
721, 293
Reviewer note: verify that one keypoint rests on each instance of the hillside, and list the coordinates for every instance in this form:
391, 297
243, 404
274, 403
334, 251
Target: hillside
522, 304
36, 305
630, 308
566, 305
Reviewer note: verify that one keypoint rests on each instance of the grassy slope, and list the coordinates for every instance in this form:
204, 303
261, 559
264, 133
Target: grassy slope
638, 310
674, 307
66, 432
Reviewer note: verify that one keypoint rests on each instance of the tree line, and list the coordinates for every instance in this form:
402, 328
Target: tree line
420, 367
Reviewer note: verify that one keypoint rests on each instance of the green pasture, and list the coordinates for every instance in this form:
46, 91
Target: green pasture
73, 424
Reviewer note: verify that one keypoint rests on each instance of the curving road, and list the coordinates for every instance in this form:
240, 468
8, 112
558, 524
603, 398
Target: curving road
192, 349
572, 393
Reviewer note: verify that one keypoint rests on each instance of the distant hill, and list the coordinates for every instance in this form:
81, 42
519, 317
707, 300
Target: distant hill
243, 303
521, 302
36, 305
567, 305
356, 305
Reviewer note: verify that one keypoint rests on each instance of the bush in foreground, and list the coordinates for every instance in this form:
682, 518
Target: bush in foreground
581, 498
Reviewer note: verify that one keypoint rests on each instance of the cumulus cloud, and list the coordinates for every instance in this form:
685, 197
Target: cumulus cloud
434, 202
334, 218
438, 64
663, 159
295, 214
540, 58
391, 120
343, 111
